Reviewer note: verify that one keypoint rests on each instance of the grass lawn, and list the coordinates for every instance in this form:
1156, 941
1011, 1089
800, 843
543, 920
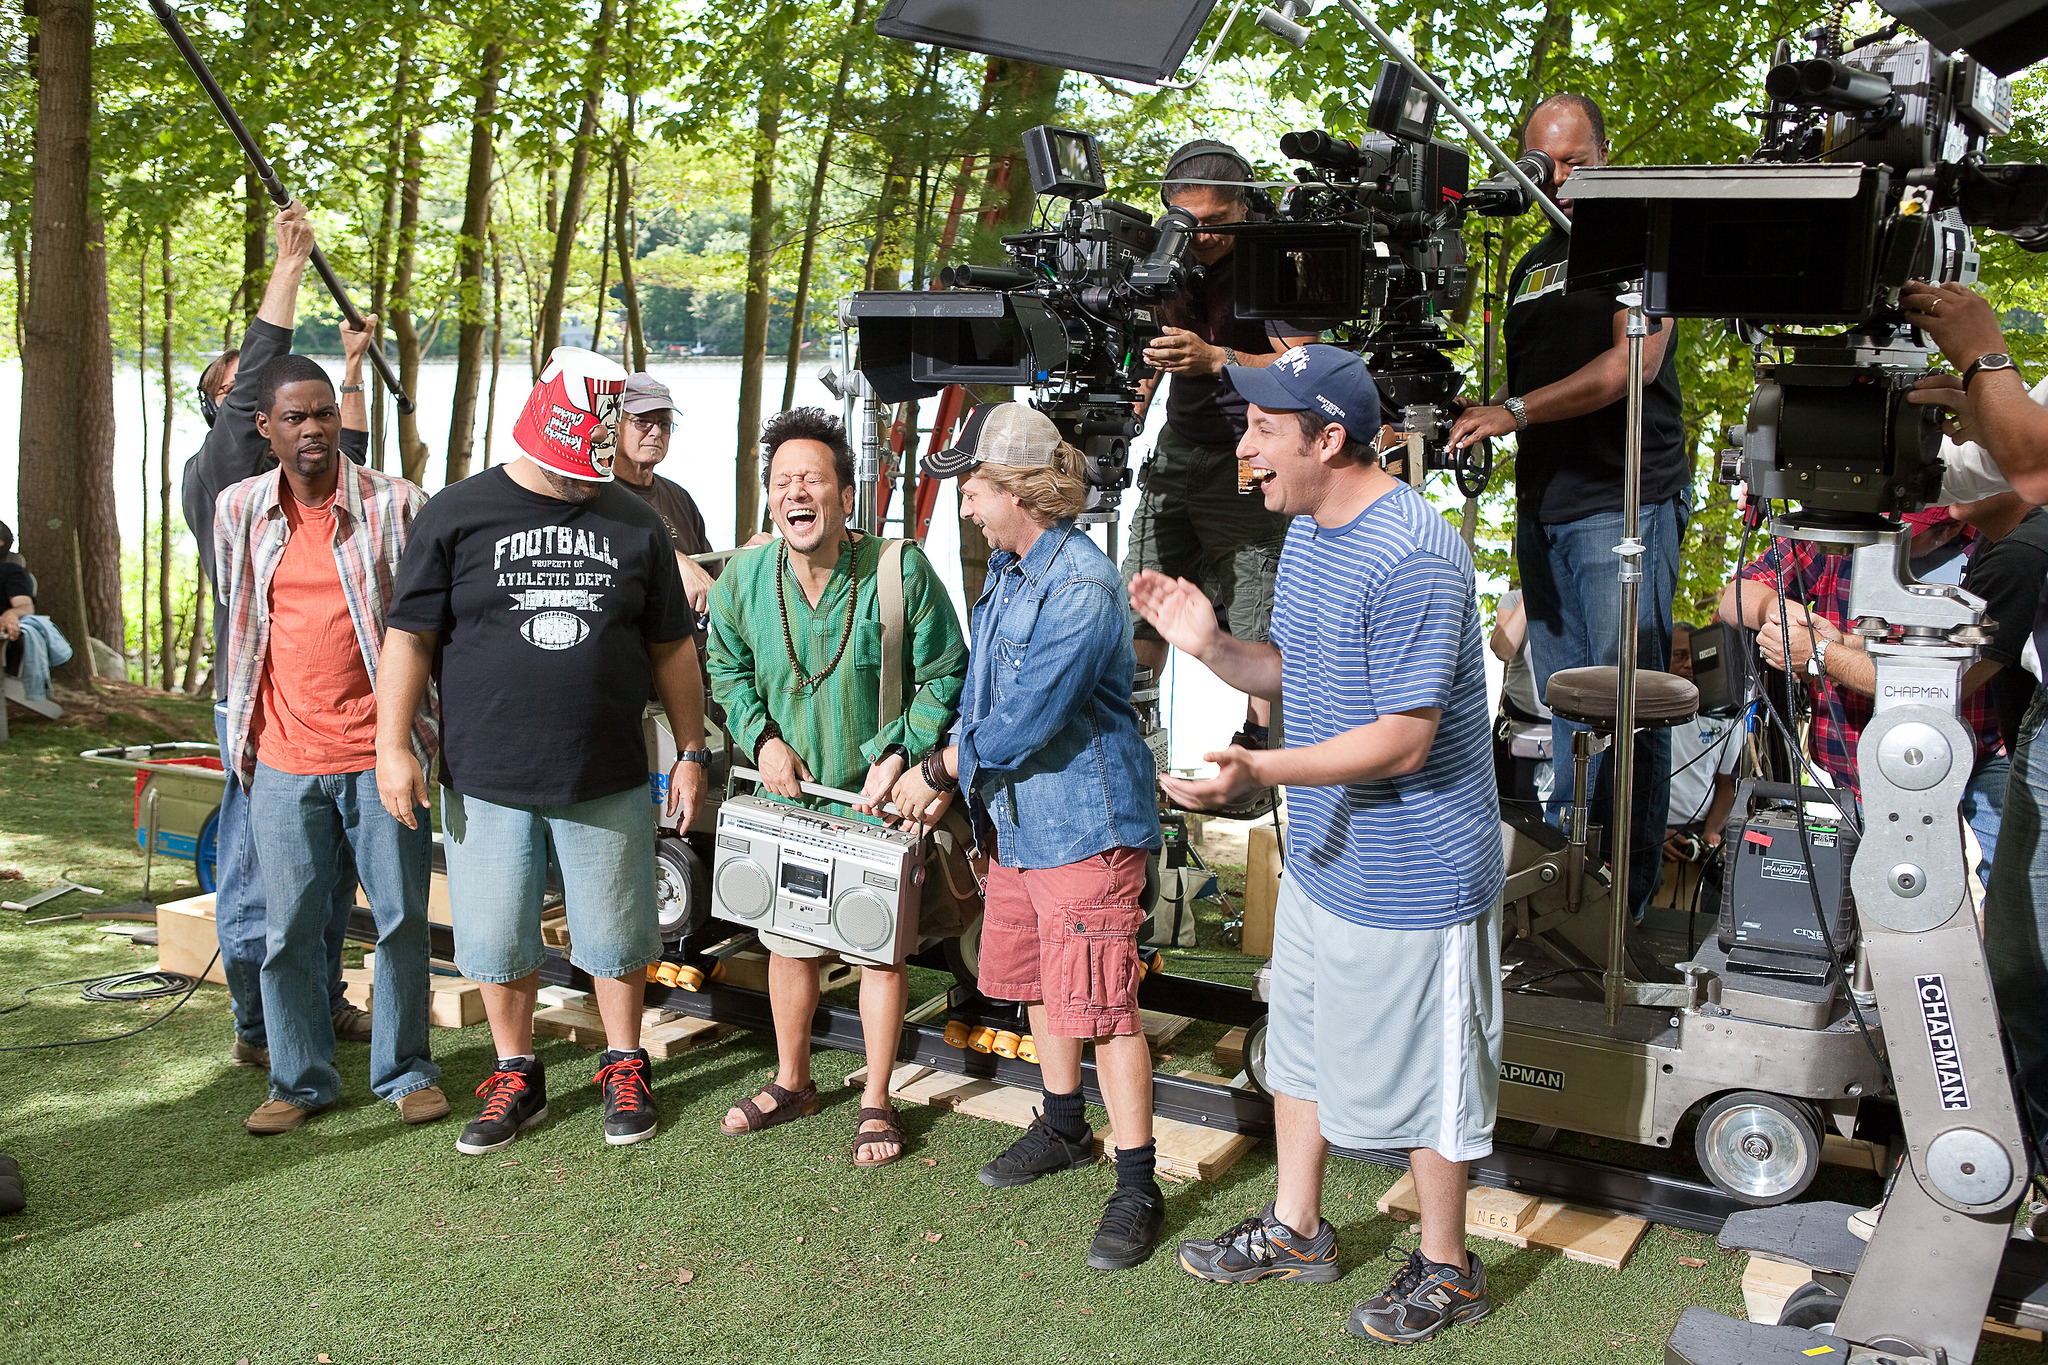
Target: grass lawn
157, 1230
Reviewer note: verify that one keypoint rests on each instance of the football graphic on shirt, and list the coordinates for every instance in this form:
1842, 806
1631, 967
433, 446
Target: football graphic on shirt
555, 630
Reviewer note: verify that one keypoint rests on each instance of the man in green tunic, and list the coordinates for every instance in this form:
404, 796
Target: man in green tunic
795, 659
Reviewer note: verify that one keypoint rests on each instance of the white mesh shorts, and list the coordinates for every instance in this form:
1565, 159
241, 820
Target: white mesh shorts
1393, 1033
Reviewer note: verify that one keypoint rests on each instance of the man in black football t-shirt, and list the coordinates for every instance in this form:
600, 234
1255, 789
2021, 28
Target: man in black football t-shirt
549, 607
1191, 521
1566, 403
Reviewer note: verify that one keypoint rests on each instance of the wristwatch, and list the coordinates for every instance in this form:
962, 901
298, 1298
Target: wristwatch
1817, 662
1990, 360
1230, 355
702, 757
351, 388
894, 751
1516, 411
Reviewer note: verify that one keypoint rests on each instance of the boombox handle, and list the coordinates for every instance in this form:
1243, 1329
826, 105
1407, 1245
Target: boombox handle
844, 798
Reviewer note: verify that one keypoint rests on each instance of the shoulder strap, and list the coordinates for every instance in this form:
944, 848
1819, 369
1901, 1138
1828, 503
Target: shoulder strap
889, 597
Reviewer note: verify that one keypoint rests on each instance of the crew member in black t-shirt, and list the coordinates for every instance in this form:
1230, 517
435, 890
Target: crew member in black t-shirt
547, 601
1566, 403
1192, 521
17, 599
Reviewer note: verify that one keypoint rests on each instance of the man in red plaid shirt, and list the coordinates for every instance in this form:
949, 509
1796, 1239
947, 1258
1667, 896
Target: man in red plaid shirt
1840, 676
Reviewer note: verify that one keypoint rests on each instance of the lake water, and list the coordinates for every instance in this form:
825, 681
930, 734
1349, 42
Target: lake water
1203, 712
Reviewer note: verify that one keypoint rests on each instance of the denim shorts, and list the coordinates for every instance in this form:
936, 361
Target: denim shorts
497, 873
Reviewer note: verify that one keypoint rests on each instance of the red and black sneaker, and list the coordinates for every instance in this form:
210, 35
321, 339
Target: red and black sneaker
515, 1097
629, 1114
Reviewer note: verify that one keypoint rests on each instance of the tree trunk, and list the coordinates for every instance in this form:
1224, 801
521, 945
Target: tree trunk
801, 307
142, 424
579, 172
497, 342
202, 629
51, 361
412, 451
754, 332
604, 257
163, 528
99, 521
387, 228
885, 255
635, 344
476, 220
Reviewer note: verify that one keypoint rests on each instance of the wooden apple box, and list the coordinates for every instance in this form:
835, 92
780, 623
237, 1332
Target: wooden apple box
186, 939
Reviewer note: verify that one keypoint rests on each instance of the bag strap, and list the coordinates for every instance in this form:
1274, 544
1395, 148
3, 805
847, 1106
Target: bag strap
889, 597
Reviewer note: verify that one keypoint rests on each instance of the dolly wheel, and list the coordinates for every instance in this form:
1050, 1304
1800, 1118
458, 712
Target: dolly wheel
1255, 1056
1763, 1149
1811, 1305
682, 890
963, 954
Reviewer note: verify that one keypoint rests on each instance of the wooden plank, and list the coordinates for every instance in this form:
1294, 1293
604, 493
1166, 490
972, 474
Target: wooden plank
1836, 1150
748, 970
1766, 1284
1230, 1052
1161, 1028
1579, 1234
1261, 890
186, 939
356, 983
1502, 1210
674, 1037
438, 911
454, 1002
567, 1021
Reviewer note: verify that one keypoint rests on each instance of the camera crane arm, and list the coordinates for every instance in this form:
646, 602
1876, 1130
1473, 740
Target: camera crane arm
261, 164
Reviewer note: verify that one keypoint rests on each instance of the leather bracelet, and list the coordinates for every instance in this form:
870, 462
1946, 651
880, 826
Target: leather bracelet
933, 767
351, 388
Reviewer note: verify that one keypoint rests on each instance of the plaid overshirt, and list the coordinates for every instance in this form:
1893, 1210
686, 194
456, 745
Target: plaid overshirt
373, 518
1839, 713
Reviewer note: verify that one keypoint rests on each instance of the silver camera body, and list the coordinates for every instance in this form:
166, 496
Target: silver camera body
841, 884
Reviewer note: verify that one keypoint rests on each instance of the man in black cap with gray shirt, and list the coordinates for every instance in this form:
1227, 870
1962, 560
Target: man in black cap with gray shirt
643, 443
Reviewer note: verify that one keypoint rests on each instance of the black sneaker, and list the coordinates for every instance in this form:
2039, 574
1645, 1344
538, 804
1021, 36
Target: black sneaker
514, 1100
1263, 1247
629, 1114
1041, 1151
1424, 1298
1129, 1228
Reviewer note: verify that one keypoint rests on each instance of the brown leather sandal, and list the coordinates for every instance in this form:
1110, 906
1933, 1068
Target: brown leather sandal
790, 1105
863, 1136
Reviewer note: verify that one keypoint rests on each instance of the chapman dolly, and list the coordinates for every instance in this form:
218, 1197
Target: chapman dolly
178, 791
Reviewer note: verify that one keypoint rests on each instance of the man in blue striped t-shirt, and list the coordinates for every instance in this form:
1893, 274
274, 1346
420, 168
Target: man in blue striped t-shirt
1386, 941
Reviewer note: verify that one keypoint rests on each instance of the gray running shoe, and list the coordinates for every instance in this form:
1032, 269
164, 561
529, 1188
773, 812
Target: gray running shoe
1424, 1298
1263, 1247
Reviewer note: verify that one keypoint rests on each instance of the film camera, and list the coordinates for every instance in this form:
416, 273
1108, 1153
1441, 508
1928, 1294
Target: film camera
1068, 317
1870, 173
1368, 243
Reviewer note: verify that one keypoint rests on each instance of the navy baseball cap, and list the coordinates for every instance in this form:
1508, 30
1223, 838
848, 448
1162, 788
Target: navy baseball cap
1315, 378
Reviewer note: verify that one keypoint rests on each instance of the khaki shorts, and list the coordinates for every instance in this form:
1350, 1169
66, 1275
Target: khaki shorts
1192, 523
1068, 936
796, 948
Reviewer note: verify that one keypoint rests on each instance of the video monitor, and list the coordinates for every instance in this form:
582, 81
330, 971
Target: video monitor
1064, 162
1308, 275
1130, 40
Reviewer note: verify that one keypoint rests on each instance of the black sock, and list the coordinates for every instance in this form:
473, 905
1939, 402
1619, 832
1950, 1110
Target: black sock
1065, 1116
1136, 1165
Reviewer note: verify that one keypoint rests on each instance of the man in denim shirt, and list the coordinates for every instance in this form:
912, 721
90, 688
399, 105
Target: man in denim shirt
1049, 753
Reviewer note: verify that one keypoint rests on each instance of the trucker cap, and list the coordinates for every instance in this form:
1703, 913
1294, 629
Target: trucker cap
1012, 434
1315, 378
645, 393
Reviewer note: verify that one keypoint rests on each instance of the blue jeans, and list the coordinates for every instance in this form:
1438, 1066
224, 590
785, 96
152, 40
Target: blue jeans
2016, 920
319, 833
1984, 809
497, 874
238, 906
1572, 593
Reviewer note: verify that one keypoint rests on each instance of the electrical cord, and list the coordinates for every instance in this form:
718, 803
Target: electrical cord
118, 987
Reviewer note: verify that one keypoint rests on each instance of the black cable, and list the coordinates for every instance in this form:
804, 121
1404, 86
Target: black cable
117, 987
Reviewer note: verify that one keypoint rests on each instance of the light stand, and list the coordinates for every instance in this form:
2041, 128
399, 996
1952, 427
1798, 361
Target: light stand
1629, 553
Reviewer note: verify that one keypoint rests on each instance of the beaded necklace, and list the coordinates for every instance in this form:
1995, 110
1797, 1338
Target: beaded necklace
805, 680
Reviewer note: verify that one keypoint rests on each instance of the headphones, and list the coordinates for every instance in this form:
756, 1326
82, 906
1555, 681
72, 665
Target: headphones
1259, 204
209, 407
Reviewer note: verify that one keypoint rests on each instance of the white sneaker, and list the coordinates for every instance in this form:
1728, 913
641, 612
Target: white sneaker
1863, 1222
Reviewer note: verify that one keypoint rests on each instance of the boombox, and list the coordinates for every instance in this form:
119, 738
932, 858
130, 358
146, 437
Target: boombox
840, 884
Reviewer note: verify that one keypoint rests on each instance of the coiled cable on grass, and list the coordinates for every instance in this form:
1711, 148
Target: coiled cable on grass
118, 988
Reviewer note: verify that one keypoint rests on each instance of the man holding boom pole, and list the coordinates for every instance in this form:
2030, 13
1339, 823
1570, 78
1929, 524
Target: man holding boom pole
235, 450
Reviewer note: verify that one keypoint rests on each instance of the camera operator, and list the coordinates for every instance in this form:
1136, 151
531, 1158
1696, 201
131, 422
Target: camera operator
1385, 1022
1566, 402
1191, 521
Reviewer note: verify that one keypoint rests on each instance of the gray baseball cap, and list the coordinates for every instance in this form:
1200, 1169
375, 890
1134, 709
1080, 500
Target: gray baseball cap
1012, 434
645, 393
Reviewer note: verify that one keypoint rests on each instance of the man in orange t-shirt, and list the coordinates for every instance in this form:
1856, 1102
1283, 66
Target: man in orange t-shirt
306, 555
